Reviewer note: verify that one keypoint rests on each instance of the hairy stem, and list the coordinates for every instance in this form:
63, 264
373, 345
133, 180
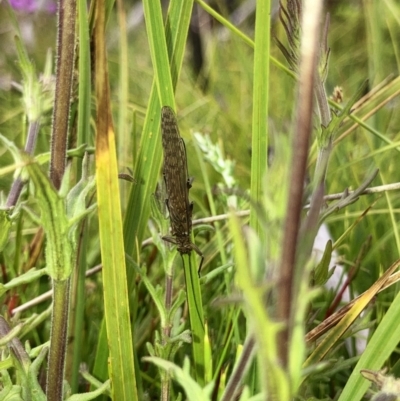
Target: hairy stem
64, 79
58, 343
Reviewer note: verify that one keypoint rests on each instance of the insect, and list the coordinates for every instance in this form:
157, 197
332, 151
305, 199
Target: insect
177, 183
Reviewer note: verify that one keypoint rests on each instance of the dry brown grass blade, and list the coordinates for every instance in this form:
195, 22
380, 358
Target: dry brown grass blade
390, 279
369, 104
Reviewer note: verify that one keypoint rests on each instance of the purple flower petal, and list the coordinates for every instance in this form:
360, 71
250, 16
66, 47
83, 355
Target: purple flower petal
30, 6
23, 5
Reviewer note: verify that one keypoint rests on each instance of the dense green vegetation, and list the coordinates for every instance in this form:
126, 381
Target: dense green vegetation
188, 332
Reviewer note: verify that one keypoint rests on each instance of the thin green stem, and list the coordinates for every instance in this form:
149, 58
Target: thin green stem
58, 343
260, 108
196, 315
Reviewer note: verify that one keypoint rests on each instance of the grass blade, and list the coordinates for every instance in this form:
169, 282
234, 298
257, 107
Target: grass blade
116, 302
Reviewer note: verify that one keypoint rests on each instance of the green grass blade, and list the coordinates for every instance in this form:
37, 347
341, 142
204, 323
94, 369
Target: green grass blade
380, 346
83, 137
165, 90
260, 107
196, 316
84, 77
123, 94
248, 251
158, 50
148, 165
240, 34
116, 301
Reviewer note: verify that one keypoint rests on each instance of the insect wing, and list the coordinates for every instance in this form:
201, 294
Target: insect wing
175, 174
185, 184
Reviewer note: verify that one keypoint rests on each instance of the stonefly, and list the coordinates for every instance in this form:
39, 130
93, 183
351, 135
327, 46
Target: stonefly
177, 183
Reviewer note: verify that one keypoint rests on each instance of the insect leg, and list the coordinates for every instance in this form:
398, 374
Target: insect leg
189, 182
171, 240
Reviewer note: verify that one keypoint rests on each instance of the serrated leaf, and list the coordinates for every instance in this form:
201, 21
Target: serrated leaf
60, 247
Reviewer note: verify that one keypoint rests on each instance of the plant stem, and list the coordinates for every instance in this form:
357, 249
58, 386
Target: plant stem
196, 314
240, 369
309, 46
166, 334
58, 344
64, 79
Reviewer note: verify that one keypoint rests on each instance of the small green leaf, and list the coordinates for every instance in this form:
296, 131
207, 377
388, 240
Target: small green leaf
5, 227
192, 389
16, 154
9, 392
26, 278
321, 273
36, 391
60, 246
92, 394
76, 199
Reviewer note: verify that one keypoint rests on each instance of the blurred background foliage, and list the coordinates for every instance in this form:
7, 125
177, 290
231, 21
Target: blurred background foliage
214, 97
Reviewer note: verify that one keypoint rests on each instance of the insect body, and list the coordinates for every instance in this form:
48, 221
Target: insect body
177, 183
